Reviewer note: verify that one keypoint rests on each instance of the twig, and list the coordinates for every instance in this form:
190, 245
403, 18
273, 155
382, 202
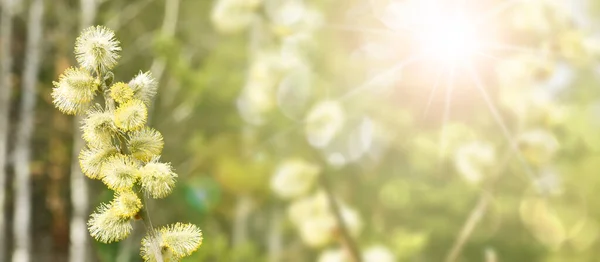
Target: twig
477, 212
474, 218
347, 239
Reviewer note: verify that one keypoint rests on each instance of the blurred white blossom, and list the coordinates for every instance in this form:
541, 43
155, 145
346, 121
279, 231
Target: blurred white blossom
317, 231
291, 17
333, 255
549, 182
472, 160
378, 253
258, 95
541, 16
294, 91
232, 16
324, 122
538, 146
294, 178
543, 222
316, 222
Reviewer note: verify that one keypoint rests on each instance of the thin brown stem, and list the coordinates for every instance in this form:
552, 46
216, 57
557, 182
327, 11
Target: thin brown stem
346, 238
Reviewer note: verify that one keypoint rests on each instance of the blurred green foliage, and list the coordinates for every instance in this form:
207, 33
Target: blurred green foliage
398, 167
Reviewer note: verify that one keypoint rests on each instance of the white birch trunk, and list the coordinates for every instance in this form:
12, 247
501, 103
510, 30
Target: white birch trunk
78, 234
5, 93
22, 215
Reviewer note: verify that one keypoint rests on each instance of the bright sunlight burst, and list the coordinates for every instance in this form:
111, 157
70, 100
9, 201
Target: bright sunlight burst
449, 39
446, 35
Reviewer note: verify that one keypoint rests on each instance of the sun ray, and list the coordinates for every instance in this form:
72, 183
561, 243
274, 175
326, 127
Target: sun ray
508, 47
446, 116
349, 28
433, 92
484, 54
496, 11
380, 77
500, 121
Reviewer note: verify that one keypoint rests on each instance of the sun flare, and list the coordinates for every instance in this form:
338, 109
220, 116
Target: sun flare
449, 39
443, 34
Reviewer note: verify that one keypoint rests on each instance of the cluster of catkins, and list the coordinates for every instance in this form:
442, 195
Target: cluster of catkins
121, 150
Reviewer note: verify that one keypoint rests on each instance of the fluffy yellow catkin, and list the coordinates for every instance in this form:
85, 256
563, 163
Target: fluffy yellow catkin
172, 241
106, 225
98, 127
96, 48
121, 92
121, 150
119, 172
157, 179
74, 91
126, 204
92, 159
131, 115
145, 144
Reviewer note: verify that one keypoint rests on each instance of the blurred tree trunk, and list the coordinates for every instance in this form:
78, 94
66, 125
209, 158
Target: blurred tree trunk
79, 188
274, 241
243, 209
169, 26
5, 93
22, 221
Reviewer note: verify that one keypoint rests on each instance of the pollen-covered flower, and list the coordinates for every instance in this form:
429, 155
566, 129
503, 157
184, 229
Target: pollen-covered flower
157, 179
98, 127
294, 178
171, 242
121, 92
126, 204
145, 144
144, 87
119, 172
74, 91
96, 48
92, 159
106, 226
131, 115
153, 250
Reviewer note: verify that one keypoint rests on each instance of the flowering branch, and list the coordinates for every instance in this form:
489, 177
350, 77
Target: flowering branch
121, 150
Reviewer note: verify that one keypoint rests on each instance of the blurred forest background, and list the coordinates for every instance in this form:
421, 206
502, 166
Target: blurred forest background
311, 130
